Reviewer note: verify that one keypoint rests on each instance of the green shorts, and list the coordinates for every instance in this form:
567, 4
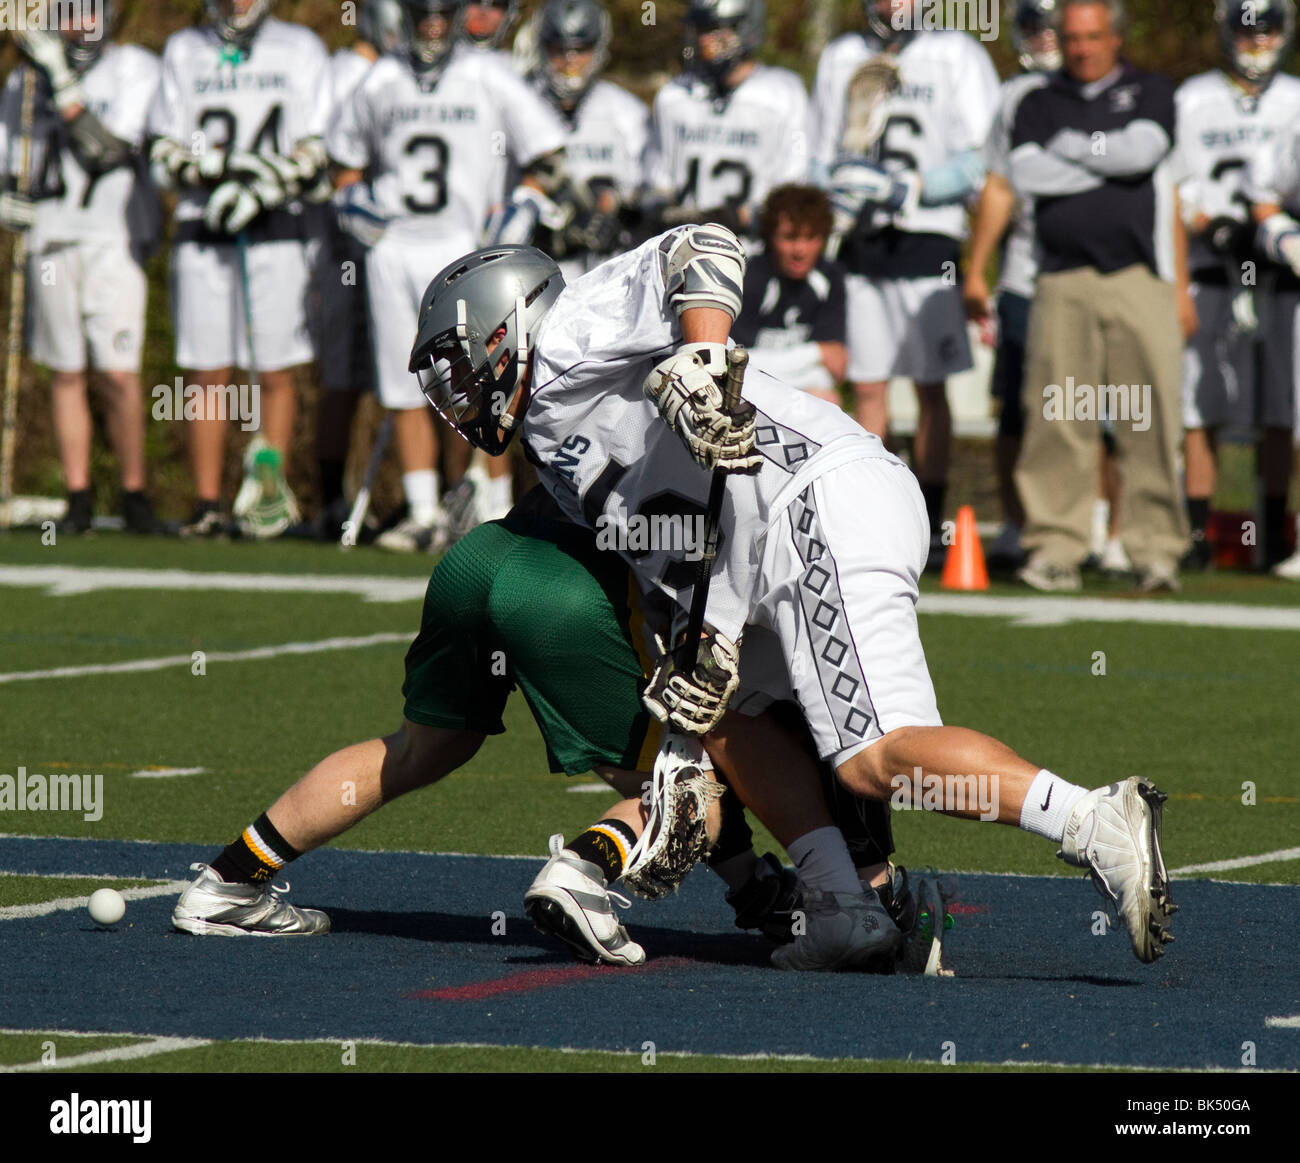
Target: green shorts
532, 602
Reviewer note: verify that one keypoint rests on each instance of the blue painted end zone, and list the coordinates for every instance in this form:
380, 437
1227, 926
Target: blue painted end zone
1034, 984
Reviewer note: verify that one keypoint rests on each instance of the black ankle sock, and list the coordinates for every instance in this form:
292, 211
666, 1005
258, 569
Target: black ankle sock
258, 854
606, 844
331, 481
934, 495
1275, 548
1198, 515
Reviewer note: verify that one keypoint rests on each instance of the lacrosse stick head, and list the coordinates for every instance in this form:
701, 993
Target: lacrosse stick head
675, 836
870, 88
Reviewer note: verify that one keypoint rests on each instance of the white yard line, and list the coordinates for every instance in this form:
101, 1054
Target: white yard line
1037, 611
1291, 1023
138, 665
95, 1057
1278, 857
61, 580
68, 903
165, 772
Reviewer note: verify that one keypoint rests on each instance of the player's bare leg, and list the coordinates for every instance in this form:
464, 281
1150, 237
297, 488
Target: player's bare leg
279, 404
1112, 831
871, 407
73, 427
125, 422
208, 436
416, 440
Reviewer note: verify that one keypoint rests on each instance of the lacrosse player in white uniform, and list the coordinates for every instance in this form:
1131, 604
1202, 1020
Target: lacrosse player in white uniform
93, 217
727, 129
608, 129
617, 395
342, 325
238, 121
488, 24
1239, 371
435, 128
908, 198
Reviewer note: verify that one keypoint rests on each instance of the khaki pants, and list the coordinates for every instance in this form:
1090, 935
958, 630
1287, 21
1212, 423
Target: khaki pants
1102, 347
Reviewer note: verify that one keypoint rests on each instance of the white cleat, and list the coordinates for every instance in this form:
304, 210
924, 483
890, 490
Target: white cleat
1114, 560
411, 537
1290, 568
1114, 832
209, 907
569, 900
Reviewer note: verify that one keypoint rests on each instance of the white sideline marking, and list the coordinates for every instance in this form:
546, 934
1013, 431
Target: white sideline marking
1023, 610
165, 772
94, 1057
138, 665
580, 788
66, 579
1282, 854
1291, 1023
68, 903
1037, 611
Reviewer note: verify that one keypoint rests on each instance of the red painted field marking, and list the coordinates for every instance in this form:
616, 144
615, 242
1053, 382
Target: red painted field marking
531, 979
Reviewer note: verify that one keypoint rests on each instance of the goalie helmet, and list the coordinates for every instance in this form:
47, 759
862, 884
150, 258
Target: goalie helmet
1033, 33
83, 45
1269, 28
489, 33
237, 21
428, 53
380, 23
746, 20
572, 26
470, 380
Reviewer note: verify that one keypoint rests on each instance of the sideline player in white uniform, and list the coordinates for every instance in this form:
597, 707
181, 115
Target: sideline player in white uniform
904, 303
608, 129
1238, 376
93, 217
435, 128
615, 388
238, 121
342, 327
727, 129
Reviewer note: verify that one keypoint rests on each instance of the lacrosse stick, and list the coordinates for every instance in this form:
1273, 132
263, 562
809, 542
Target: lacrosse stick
872, 84
17, 302
352, 526
674, 836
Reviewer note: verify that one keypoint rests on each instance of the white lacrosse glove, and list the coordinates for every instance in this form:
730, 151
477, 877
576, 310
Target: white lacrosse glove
1289, 248
695, 702
687, 389
44, 48
517, 221
359, 215
17, 211
252, 185
855, 185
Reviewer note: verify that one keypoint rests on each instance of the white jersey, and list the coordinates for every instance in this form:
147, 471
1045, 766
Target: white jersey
347, 67
605, 454
1221, 130
439, 157
1019, 267
1274, 173
121, 204
607, 138
265, 103
706, 152
946, 105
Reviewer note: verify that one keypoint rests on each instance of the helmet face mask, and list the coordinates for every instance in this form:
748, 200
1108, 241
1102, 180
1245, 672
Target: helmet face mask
1255, 36
84, 39
489, 31
721, 34
1033, 24
237, 21
380, 24
573, 46
477, 321
890, 20
430, 30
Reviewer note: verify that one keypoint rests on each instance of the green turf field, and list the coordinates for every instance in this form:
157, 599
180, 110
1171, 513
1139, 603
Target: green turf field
1207, 712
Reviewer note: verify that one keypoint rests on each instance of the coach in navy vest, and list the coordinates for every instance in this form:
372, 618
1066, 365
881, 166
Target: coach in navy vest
1093, 147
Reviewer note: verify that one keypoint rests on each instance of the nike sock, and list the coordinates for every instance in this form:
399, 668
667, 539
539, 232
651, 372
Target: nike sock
1275, 548
421, 489
258, 854
1047, 805
823, 863
1198, 516
331, 481
606, 844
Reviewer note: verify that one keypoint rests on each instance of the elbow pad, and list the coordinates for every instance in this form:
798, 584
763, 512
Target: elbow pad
703, 266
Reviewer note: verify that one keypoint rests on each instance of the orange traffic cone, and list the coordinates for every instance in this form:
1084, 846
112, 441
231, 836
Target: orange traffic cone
964, 568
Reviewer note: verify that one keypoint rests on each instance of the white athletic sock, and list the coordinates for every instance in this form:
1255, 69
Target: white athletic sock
498, 495
823, 862
421, 489
1047, 805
